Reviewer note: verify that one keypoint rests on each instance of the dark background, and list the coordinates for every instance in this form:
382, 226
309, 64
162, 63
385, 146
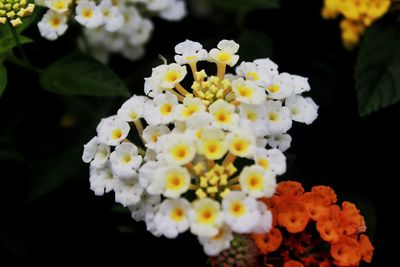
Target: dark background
50, 216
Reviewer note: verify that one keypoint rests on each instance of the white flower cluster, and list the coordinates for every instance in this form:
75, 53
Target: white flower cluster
110, 26
184, 174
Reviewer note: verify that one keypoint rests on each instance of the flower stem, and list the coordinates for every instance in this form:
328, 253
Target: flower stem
25, 59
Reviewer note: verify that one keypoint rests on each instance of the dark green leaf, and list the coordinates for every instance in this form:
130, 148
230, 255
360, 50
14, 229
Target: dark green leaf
245, 4
3, 78
8, 42
377, 70
254, 44
77, 74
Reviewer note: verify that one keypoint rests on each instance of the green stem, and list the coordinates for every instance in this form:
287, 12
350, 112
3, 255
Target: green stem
26, 63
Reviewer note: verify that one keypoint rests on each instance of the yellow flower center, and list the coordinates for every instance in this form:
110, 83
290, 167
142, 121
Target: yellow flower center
251, 115
273, 116
245, 91
55, 22
180, 152
175, 181
253, 75
171, 76
222, 117
224, 57
239, 147
191, 58
255, 182
206, 216
87, 13
154, 138
166, 109
189, 110
133, 115
177, 214
237, 208
126, 158
273, 88
116, 134
263, 163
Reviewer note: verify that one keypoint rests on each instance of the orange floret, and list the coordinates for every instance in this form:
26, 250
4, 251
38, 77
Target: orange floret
289, 188
327, 192
268, 242
315, 204
367, 250
352, 219
329, 226
293, 215
293, 264
346, 252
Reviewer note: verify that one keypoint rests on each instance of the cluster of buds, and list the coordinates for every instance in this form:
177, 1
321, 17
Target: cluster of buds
183, 171
14, 10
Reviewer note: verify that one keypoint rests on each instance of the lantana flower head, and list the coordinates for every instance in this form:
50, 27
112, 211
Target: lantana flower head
305, 221
13, 11
193, 131
356, 16
121, 26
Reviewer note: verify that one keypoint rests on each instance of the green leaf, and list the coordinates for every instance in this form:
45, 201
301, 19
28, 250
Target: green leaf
8, 42
77, 74
3, 78
377, 71
254, 44
245, 4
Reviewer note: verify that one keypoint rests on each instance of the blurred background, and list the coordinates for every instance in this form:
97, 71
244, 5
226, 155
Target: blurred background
48, 213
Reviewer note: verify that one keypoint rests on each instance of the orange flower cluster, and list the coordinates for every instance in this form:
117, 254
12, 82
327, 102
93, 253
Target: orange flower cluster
310, 229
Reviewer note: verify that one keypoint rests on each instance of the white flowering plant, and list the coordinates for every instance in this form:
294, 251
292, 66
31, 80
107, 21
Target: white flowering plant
109, 26
199, 159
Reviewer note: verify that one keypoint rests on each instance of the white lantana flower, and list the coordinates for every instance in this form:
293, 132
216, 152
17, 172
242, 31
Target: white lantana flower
127, 191
161, 110
212, 144
247, 91
267, 64
257, 182
281, 87
151, 134
145, 206
112, 131
226, 53
221, 241
112, 17
280, 141
301, 84
125, 160
52, 25
224, 114
172, 217
255, 118
59, 6
176, 11
240, 212
88, 14
171, 74
133, 108
190, 106
95, 153
264, 225
189, 52
206, 217
101, 180
279, 118
171, 181
272, 160
302, 109
241, 142
141, 34
177, 148
146, 173
251, 71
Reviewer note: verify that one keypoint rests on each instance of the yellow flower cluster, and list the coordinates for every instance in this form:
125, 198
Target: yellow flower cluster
358, 15
14, 10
